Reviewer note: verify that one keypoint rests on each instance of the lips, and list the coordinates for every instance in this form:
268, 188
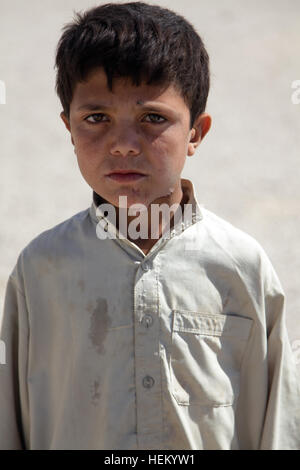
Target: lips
126, 175
124, 172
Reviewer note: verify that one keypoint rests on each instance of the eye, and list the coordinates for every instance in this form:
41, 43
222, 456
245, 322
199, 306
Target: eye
94, 118
156, 117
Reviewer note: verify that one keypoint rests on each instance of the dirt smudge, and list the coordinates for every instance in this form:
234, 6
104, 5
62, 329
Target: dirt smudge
99, 323
95, 392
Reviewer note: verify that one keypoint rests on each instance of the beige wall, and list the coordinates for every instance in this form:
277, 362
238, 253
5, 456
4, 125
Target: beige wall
247, 169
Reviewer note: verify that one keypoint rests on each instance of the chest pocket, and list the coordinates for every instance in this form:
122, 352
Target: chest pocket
206, 356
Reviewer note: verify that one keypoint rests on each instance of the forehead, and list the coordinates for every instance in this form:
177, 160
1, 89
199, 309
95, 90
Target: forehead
95, 87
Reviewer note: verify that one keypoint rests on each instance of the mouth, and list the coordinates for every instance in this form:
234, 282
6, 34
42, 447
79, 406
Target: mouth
126, 176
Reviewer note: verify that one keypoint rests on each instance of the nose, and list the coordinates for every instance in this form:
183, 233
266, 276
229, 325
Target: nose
125, 140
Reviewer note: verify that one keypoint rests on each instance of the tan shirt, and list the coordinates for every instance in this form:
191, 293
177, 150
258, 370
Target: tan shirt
183, 348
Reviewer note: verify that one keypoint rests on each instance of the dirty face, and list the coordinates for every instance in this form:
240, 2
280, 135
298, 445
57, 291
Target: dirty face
133, 141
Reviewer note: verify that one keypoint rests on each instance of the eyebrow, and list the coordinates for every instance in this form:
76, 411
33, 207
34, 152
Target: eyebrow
149, 106
92, 106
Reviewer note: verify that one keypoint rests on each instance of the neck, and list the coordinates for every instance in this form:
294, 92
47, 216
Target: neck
150, 225
145, 228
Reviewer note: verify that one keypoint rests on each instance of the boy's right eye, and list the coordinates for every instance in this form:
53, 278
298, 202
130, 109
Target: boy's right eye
94, 118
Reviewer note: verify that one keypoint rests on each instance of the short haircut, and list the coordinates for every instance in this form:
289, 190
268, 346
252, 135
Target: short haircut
138, 40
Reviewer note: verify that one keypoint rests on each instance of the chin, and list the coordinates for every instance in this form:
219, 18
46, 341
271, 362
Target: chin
127, 199
132, 202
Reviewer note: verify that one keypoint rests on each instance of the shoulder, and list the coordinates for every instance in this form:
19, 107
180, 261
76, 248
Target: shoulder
236, 247
229, 237
54, 246
224, 233
62, 233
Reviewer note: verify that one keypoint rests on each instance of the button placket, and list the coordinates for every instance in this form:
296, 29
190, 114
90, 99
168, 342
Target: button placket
145, 266
148, 381
147, 320
147, 359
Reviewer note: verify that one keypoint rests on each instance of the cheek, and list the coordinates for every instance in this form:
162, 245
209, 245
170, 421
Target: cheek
88, 149
170, 153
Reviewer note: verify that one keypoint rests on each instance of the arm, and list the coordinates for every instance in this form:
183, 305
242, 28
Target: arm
281, 428
14, 408
268, 409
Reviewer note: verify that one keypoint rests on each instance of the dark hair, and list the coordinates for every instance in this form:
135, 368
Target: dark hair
137, 40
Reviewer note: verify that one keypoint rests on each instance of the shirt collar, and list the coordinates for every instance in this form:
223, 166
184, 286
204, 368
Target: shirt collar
192, 212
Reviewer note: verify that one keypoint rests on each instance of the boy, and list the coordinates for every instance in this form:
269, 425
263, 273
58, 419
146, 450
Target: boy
118, 339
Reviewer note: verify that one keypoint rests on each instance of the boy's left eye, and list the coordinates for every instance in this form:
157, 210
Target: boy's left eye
156, 116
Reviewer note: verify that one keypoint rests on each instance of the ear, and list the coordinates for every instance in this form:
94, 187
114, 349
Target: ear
67, 124
200, 128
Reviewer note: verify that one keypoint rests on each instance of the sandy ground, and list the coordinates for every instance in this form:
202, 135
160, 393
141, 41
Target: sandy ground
247, 168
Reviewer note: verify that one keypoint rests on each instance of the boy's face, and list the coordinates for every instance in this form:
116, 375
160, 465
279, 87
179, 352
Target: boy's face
132, 142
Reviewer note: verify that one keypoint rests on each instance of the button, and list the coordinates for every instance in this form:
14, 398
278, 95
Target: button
147, 320
148, 381
145, 267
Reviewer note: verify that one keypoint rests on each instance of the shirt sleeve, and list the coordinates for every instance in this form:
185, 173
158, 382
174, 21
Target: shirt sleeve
281, 421
281, 428
14, 409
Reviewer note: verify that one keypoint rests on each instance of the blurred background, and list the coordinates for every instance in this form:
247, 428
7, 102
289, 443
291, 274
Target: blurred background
246, 170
